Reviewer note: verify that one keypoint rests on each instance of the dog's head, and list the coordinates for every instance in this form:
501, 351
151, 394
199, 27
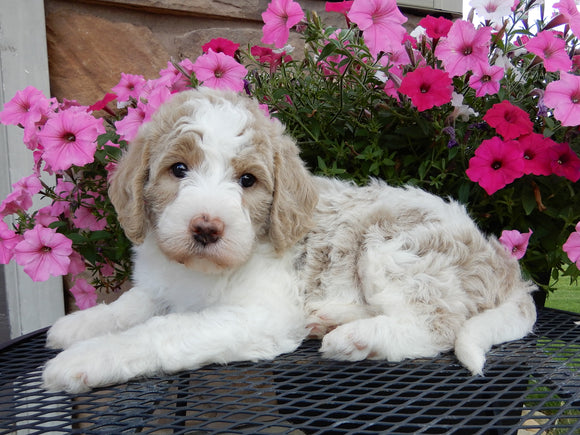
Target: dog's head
209, 176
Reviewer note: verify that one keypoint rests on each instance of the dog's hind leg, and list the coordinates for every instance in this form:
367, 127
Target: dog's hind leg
381, 337
328, 316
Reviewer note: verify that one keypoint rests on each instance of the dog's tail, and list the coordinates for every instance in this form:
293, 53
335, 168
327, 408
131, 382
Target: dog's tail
512, 319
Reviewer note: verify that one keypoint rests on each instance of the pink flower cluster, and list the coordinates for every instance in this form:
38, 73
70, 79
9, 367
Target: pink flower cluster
215, 68
519, 151
61, 136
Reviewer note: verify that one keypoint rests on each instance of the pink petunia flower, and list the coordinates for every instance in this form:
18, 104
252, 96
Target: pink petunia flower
156, 92
70, 138
340, 7
536, 149
46, 216
269, 57
564, 97
153, 94
427, 87
508, 120
521, 40
102, 103
569, 10
110, 168
551, 49
565, 162
381, 22
265, 109
26, 108
43, 253
221, 45
279, 18
399, 58
66, 104
465, 48
572, 246
83, 217
436, 27
106, 269
8, 240
30, 185
164, 82
496, 164
85, 294
129, 86
220, 71
170, 78
576, 63
30, 137
392, 81
77, 264
516, 243
128, 127
20, 199
485, 80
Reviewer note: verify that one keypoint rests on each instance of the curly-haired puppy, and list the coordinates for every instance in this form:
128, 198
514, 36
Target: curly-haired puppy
240, 254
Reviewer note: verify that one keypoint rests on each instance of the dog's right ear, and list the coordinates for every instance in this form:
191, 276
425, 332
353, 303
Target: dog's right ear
126, 190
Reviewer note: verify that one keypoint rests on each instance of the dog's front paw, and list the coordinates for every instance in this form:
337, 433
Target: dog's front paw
59, 375
66, 331
94, 363
78, 326
346, 343
74, 370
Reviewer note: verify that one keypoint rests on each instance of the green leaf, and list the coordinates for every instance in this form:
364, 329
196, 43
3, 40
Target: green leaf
463, 193
113, 152
327, 51
423, 167
77, 238
106, 137
528, 201
100, 235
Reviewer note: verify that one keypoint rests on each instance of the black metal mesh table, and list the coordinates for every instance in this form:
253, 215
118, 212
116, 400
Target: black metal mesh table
530, 384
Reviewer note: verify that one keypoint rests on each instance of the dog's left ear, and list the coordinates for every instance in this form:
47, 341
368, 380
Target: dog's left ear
295, 197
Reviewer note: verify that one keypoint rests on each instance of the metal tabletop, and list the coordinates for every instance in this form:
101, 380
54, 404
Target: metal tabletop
530, 384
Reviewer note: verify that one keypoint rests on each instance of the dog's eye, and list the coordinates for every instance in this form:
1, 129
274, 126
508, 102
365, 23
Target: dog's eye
179, 170
247, 180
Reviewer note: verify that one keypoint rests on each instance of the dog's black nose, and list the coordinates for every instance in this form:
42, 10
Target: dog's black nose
206, 230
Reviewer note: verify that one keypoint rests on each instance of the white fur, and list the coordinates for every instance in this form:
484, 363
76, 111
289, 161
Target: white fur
376, 272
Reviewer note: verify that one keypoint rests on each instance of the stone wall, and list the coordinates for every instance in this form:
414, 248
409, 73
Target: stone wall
91, 42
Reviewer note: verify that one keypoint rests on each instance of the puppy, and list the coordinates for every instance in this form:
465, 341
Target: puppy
240, 254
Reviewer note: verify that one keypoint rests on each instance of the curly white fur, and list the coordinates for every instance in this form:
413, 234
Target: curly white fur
229, 270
